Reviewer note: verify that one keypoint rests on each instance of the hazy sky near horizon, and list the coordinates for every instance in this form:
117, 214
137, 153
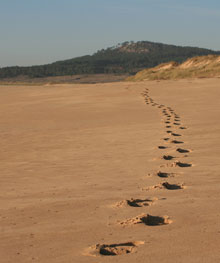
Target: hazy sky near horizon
43, 31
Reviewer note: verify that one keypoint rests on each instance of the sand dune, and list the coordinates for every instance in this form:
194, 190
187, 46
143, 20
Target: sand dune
122, 172
196, 67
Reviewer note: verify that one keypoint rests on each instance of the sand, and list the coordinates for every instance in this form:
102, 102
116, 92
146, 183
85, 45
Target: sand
86, 175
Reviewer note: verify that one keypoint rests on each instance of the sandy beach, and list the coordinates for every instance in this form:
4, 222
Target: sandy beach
119, 172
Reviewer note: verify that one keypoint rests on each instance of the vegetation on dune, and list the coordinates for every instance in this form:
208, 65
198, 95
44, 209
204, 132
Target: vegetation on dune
128, 57
197, 67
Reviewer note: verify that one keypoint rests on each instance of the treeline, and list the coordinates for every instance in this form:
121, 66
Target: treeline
128, 57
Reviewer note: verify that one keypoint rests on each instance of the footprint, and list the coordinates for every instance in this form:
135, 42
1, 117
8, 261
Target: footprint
166, 139
167, 122
168, 157
140, 202
180, 164
164, 175
148, 220
169, 131
113, 249
172, 186
176, 142
164, 185
176, 134
156, 220
175, 123
168, 126
183, 128
180, 150
135, 202
162, 147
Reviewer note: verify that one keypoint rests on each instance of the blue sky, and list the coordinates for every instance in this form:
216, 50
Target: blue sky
44, 31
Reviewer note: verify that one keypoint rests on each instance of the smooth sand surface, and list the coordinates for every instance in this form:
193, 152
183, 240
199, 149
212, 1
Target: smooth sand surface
72, 155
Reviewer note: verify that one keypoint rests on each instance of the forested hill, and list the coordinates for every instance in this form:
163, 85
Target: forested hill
128, 57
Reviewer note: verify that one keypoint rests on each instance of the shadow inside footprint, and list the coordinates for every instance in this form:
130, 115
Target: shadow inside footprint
175, 123
155, 220
172, 186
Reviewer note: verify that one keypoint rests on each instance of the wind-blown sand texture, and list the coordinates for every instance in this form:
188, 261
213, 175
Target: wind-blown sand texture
121, 172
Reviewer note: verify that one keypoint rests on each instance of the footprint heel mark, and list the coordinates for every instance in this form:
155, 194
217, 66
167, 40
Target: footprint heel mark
114, 249
148, 220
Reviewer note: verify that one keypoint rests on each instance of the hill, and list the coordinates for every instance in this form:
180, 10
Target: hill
128, 57
199, 67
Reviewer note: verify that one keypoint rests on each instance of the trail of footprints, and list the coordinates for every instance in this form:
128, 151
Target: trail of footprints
173, 127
